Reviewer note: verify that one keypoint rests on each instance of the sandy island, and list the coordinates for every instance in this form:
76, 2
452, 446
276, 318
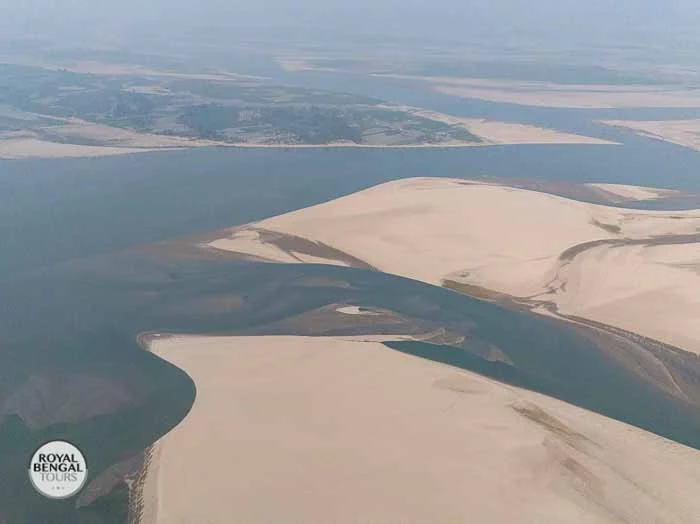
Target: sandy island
550, 94
637, 270
684, 133
318, 430
507, 133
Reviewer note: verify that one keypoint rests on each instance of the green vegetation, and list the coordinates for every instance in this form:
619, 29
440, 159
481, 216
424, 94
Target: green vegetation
222, 109
315, 124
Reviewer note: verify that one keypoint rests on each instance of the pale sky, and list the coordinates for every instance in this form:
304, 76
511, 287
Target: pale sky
668, 20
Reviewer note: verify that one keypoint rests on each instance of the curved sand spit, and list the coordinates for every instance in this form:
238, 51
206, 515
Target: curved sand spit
318, 430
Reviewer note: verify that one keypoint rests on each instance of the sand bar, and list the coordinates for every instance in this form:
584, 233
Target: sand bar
684, 133
638, 193
507, 133
70, 139
32, 148
515, 242
550, 94
510, 133
297, 429
651, 290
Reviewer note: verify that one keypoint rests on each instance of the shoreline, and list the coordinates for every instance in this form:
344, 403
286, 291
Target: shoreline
116, 141
376, 411
265, 384
99, 151
683, 133
602, 263
143, 492
117, 151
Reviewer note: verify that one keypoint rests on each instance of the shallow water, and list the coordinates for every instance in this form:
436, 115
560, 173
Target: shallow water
62, 318
81, 320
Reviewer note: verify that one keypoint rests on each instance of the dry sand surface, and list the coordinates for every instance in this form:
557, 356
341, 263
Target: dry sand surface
18, 148
652, 290
503, 133
637, 193
513, 133
321, 430
355, 310
55, 141
512, 241
684, 133
549, 94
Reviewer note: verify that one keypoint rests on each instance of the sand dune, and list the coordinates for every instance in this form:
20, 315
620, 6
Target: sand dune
296, 429
515, 242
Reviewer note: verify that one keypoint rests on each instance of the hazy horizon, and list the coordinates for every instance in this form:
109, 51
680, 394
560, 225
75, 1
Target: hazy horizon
567, 21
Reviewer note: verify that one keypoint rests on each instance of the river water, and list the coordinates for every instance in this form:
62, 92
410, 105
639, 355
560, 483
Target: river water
68, 325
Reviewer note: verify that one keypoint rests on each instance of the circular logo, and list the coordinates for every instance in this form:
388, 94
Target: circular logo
58, 470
